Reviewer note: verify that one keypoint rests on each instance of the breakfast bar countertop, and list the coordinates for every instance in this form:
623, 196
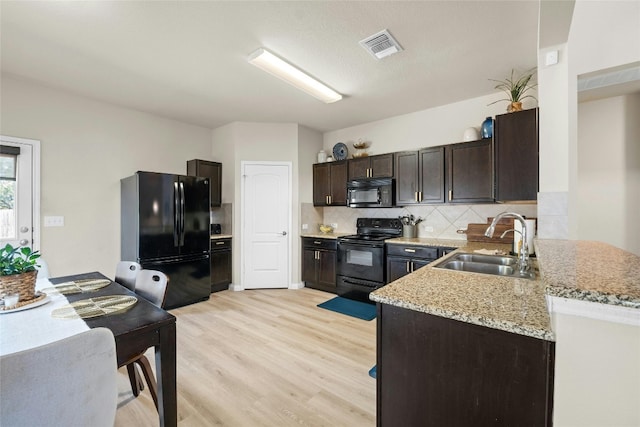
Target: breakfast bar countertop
590, 271
578, 270
510, 304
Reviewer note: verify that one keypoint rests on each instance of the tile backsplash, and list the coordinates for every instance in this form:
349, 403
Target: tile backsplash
223, 216
441, 221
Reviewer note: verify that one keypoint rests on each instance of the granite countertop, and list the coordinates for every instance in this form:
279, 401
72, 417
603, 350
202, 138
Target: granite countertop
589, 271
424, 241
505, 303
220, 236
579, 270
318, 235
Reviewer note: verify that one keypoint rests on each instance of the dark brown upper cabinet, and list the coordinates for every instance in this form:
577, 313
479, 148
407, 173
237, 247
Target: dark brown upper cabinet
330, 184
470, 172
420, 176
211, 170
516, 147
380, 166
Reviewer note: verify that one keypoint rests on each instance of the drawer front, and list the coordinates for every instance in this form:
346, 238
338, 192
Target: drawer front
426, 252
313, 243
218, 244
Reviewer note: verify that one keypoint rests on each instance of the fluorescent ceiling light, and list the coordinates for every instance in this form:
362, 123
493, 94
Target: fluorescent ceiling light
270, 63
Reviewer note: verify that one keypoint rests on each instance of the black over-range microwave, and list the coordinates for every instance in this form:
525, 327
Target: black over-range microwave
370, 193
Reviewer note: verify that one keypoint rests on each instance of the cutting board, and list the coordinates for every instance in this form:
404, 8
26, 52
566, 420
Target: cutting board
475, 232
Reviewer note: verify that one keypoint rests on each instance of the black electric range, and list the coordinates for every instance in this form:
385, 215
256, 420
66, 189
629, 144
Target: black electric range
361, 257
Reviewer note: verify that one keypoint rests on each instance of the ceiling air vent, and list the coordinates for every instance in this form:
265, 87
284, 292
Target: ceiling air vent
381, 44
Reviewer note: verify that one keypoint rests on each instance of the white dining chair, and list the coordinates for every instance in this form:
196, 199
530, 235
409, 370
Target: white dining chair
43, 269
152, 286
126, 273
69, 382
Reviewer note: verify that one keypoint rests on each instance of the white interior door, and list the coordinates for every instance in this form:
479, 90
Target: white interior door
18, 182
266, 219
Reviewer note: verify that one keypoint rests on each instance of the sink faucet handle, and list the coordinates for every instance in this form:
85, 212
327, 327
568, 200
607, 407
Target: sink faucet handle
511, 229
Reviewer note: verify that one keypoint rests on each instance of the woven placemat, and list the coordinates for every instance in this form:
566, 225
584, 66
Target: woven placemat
38, 297
94, 307
78, 286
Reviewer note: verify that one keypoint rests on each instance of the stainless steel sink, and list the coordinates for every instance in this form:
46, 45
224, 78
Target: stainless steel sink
485, 264
478, 267
487, 259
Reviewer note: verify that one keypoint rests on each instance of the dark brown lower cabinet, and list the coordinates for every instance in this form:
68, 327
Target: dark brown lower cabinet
319, 263
434, 371
220, 264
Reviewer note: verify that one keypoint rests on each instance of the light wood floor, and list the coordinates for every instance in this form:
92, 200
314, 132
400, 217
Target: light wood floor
266, 358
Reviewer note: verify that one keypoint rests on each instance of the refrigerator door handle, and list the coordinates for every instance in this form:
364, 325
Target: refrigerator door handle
182, 213
176, 212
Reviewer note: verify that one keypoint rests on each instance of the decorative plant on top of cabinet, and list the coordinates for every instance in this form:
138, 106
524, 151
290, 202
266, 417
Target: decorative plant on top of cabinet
515, 88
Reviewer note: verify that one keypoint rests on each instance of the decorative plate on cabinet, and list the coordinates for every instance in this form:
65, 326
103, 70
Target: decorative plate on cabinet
340, 151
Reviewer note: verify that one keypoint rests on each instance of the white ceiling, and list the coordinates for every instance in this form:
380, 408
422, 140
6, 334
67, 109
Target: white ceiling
187, 60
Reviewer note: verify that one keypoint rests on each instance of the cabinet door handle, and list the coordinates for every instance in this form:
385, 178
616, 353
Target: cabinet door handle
420, 194
412, 266
219, 243
317, 242
450, 194
408, 267
415, 196
317, 255
330, 200
409, 250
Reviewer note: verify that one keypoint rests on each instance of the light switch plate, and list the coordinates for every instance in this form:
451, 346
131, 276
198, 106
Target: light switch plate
54, 221
551, 58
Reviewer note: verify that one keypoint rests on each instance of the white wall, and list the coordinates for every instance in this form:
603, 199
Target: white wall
282, 142
608, 175
604, 34
427, 128
87, 147
597, 373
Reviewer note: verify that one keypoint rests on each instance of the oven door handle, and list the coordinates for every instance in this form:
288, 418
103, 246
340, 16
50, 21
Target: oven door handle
361, 245
373, 286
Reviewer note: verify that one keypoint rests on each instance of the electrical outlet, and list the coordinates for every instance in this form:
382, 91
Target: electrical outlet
334, 225
54, 221
305, 226
428, 228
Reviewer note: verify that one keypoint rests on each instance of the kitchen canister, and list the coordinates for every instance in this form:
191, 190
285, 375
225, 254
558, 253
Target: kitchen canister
487, 128
409, 231
322, 156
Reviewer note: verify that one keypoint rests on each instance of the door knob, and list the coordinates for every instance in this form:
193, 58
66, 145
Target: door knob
284, 233
24, 229
24, 242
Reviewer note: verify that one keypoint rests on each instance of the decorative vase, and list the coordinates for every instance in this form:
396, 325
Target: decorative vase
487, 128
514, 106
322, 156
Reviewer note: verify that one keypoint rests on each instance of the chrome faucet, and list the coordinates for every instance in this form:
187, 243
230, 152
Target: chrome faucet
523, 256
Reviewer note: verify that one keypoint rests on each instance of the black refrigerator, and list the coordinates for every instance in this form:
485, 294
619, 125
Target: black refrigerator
165, 226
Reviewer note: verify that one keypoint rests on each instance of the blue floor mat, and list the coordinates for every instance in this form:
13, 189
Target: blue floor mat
350, 307
373, 372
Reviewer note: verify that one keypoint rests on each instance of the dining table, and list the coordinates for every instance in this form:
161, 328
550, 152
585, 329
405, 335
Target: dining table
136, 329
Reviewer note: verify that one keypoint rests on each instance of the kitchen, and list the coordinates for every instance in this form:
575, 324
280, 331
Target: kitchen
103, 142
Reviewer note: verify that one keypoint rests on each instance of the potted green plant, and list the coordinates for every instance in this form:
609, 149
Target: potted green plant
515, 88
18, 271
